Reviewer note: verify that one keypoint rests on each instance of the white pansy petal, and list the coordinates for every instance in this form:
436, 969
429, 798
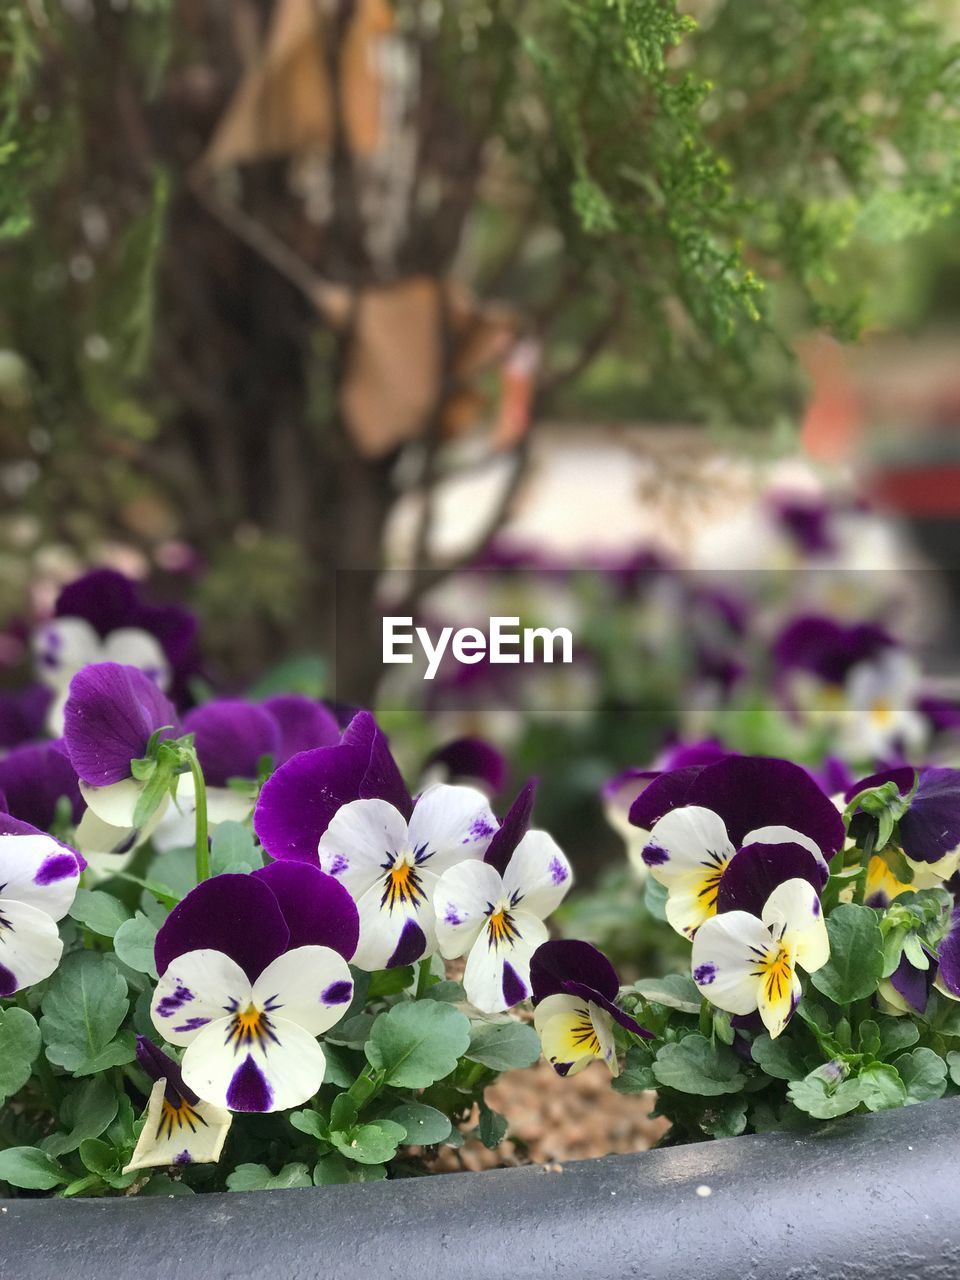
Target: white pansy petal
550, 1006
497, 974
40, 872
691, 900
30, 946
396, 930
778, 997
179, 1134
538, 874
310, 986
94, 837
196, 990
451, 823
283, 1070
725, 957
61, 647
461, 899
224, 804
135, 648
361, 838
114, 804
687, 839
783, 835
793, 913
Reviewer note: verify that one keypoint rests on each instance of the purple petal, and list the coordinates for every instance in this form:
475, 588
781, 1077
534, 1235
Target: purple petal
23, 714
104, 598
238, 915
411, 945
231, 738
682, 755
557, 963
471, 760
943, 714
160, 1066
807, 519
755, 791
317, 908
297, 803
828, 648
667, 791
176, 630
511, 831
33, 778
249, 1090
111, 713
304, 724
756, 870
514, 987
948, 955
912, 985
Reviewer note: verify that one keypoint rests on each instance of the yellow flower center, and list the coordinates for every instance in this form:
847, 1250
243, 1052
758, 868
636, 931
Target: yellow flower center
249, 1027
501, 930
181, 1116
402, 886
776, 970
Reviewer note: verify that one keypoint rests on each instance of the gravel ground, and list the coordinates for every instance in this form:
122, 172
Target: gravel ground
555, 1120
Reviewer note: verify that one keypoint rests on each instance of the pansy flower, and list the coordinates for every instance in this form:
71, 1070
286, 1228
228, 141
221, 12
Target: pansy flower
38, 883
36, 780
854, 680
928, 833
112, 712
724, 835
621, 791
302, 725
23, 714
492, 911
470, 762
346, 809
252, 969
178, 1127
100, 618
575, 990
744, 963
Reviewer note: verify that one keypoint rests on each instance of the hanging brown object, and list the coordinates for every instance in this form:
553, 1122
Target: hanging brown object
284, 105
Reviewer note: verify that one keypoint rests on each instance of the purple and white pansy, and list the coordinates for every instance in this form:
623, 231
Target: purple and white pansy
252, 969
101, 618
746, 963
724, 835
492, 911
178, 1127
575, 989
111, 714
38, 883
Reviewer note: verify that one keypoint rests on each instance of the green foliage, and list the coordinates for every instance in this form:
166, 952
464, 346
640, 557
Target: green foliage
856, 955
417, 1044
19, 1047
503, 1046
83, 1010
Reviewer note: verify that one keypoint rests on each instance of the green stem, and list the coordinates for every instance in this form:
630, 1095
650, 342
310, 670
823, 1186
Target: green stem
200, 787
860, 884
423, 977
366, 1086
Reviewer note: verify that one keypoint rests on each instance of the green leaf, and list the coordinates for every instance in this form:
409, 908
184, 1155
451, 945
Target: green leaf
89, 1111
353, 1032
822, 1097
924, 1075
448, 991
419, 1043
19, 1046
31, 1169
99, 912
881, 1087
311, 1122
896, 1034
423, 1125
953, 1066
134, 942
674, 990
372, 1143
492, 1127
161, 1184
83, 1009
257, 1177
726, 1119
870, 1042
856, 955
390, 982
694, 1065
332, 1169
780, 1058
655, 899
233, 849
637, 1075
503, 1046
343, 1112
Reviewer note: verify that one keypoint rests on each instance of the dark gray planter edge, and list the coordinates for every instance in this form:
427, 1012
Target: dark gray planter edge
863, 1198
